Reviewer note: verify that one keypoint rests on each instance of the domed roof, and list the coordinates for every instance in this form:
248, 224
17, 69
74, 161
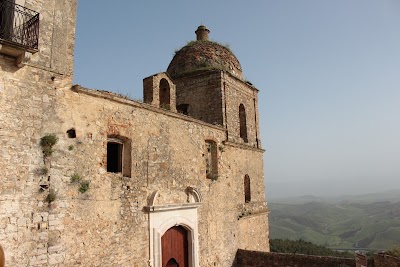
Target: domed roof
203, 54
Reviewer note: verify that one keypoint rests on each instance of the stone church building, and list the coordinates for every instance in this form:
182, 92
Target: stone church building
91, 178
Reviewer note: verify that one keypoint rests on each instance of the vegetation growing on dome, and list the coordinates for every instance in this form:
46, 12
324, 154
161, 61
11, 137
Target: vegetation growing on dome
191, 43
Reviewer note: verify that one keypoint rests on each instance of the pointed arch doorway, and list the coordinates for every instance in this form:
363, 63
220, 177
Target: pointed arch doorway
174, 247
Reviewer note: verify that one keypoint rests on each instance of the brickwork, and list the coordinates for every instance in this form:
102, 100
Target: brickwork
202, 92
151, 91
204, 55
237, 93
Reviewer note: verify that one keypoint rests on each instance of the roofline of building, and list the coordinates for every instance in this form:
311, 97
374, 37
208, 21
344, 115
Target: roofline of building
125, 101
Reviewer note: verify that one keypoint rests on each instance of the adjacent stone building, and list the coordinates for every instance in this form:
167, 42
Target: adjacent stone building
90, 178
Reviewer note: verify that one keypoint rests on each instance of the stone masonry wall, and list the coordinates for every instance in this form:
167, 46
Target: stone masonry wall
236, 93
247, 258
203, 94
56, 35
384, 260
27, 99
107, 224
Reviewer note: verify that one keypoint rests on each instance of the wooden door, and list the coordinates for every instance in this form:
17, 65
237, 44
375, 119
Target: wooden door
174, 245
2, 258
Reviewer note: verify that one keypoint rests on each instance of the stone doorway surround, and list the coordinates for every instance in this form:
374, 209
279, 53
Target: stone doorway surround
163, 217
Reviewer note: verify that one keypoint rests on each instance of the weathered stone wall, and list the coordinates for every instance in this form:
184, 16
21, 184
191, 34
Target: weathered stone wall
108, 224
246, 258
215, 97
236, 93
203, 93
250, 238
27, 98
151, 91
167, 155
56, 35
384, 260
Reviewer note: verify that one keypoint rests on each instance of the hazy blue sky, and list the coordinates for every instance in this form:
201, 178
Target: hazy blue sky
328, 74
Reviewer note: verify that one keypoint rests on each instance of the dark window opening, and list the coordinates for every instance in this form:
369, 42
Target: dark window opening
243, 124
183, 109
114, 157
71, 133
164, 94
119, 155
247, 190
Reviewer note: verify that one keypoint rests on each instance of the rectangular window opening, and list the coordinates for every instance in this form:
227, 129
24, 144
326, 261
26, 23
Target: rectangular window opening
114, 157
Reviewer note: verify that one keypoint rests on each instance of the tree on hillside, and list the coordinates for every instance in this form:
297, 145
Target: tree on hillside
395, 251
304, 247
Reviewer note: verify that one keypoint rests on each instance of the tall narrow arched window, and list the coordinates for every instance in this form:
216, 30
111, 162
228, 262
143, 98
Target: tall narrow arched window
211, 160
247, 190
165, 94
243, 124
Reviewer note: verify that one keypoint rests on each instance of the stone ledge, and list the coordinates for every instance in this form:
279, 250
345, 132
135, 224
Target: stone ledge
243, 146
168, 207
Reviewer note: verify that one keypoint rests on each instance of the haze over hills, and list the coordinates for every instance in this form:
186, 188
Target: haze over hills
390, 195
369, 221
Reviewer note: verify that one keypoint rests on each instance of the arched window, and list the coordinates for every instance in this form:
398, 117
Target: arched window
243, 124
119, 155
164, 94
247, 190
211, 160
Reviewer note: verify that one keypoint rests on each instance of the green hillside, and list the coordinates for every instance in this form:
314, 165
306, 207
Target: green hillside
374, 226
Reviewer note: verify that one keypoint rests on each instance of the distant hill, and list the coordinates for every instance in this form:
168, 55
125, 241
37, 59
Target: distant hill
392, 196
352, 223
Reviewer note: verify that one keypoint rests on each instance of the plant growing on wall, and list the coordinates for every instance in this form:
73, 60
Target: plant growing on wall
47, 142
51, 196
75, 178
84, 186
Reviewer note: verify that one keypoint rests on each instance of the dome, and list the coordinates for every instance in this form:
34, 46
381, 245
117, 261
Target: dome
203, 54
